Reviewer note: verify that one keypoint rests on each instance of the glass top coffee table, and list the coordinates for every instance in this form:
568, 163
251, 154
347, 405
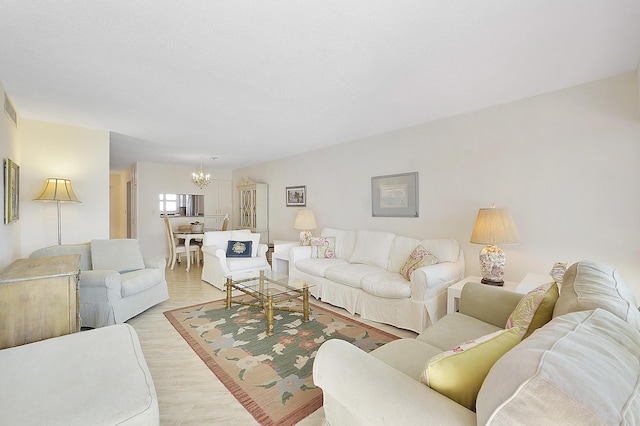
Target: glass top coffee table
268, 290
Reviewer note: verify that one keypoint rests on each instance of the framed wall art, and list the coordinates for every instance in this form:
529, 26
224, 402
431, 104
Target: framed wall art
11, 191
395, 195
296, 196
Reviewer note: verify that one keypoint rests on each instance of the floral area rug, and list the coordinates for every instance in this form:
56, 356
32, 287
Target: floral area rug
271, 376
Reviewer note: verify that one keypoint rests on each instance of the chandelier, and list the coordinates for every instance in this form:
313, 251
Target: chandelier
200, 179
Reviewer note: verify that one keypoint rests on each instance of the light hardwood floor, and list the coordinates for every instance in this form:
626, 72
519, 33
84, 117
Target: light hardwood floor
188, 392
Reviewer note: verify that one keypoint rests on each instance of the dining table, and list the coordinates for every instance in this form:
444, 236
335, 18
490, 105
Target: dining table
187, 236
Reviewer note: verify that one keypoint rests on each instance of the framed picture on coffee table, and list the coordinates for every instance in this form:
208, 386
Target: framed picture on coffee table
395, 195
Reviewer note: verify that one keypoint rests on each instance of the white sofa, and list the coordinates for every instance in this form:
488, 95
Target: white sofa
217, 266
116, 282
582, 367
94, 377
364, 277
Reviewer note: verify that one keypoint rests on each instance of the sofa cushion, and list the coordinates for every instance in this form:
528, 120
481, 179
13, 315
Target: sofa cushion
580, 368
454, 329
323, 247
345, 241
136, 281
406, 355
372, 248
588, 285
239, 248
240, 263
386, 284
475, 298
122, 255
534, 310
458, 373
317, 267
400, 250
445, 249
418, 258
350, 274
217, 238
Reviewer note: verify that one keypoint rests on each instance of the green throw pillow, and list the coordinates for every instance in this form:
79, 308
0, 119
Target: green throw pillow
534, 310
459, 373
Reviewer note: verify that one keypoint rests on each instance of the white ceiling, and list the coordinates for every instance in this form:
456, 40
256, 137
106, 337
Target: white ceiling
251, 81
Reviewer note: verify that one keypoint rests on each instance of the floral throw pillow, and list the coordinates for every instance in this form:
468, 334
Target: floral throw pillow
418, 258
323, 247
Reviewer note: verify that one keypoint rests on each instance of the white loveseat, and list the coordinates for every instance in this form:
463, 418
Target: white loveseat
217, 266
364, 276
116, 282
582, 367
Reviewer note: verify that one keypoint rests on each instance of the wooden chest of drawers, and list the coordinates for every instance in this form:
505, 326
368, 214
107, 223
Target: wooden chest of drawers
39, 299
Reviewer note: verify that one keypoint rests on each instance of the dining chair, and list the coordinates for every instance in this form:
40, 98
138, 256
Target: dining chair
177, 250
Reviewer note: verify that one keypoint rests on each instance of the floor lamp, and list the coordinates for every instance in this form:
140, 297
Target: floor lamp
60, 191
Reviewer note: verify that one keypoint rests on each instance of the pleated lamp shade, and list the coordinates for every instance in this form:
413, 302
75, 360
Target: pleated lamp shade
494, 226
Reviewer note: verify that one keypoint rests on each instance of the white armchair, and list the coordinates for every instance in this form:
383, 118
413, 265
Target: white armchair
217, 265
116, 282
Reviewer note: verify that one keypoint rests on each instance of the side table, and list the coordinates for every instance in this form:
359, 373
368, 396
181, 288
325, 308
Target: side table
280, 255
528, 283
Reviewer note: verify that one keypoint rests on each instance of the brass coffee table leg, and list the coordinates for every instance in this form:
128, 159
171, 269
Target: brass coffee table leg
228, 285
269, 311
305, 304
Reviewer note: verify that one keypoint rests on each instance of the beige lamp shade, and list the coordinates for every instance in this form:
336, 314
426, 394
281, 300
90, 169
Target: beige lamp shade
57, 189
305, 221
494, 226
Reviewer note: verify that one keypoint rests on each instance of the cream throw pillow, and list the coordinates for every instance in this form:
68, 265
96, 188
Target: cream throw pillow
458, 373
122, 255
589, 285
534, 310
418, 258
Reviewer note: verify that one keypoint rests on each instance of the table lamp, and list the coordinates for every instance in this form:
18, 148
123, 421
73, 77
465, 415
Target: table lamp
60, 191
305, 221
494, 226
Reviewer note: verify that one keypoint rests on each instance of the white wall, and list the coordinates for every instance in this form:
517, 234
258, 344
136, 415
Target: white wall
45, 150
154, 179
79, 154
10, 243
564, 163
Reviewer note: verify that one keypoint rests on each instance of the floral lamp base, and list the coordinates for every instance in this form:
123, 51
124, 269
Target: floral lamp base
492, 262
305, 238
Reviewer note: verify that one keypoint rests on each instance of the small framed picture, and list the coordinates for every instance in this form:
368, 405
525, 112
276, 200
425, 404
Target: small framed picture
11, 191
296, 196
